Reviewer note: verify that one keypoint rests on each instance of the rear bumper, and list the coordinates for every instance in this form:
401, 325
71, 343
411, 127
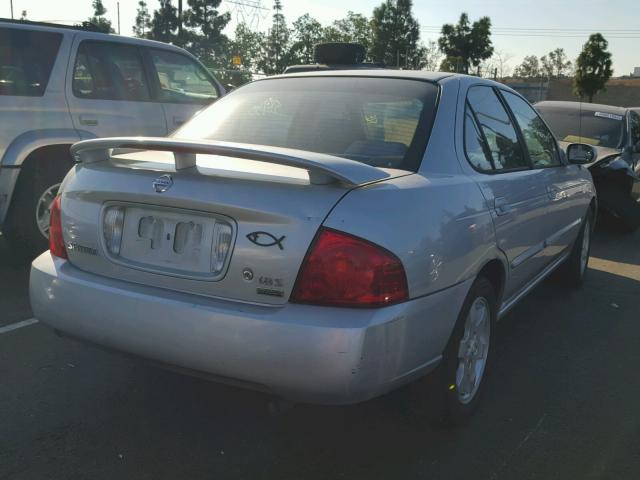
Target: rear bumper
300, 352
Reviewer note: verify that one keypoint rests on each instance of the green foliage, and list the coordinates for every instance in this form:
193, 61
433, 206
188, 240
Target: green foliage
203, 35
396, 34
469, 42
164, 25
306, 33
277, 48
593, 67
143, 20
555, 64
98, 20
355, 27
529, 68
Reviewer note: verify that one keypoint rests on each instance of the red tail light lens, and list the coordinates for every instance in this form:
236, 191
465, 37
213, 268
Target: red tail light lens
56, 242
343, 270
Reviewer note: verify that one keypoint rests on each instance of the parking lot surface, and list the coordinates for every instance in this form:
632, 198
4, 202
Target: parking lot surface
561, 403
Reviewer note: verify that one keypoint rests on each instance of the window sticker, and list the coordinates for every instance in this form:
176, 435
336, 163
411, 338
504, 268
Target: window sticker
610, 116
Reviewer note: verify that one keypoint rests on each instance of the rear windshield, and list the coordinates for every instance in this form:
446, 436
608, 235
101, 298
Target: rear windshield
382, 122
587, 126
26, 60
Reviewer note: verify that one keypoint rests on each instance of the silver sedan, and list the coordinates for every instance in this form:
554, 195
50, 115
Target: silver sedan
326, 237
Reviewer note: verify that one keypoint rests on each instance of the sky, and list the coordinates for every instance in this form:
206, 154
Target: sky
520, 27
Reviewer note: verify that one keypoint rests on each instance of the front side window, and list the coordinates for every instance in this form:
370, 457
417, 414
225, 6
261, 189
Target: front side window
538, 139
26, 60
109, 71
181, 79
501, 138
383, 122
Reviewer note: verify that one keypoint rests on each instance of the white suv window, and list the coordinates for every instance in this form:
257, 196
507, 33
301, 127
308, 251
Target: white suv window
109, 71
26, 60
181, 79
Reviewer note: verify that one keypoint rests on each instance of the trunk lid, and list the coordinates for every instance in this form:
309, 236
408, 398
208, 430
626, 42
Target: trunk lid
172, 218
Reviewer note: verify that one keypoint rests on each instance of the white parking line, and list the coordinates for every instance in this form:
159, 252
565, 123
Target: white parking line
17, 325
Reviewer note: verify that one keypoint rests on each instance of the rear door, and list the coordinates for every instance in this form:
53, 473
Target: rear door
109, 93
564, 184
516, 193
182, 85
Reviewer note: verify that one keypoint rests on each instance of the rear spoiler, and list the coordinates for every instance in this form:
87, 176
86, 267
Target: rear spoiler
322, 168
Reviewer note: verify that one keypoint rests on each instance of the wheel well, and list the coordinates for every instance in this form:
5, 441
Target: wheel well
52, 151
494, 272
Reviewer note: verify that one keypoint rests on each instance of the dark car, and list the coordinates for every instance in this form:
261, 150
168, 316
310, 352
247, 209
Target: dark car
615, 134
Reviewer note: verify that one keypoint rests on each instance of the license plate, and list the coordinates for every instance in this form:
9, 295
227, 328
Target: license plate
172, 241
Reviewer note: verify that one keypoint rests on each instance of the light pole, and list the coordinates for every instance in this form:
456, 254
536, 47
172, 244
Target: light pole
11, 3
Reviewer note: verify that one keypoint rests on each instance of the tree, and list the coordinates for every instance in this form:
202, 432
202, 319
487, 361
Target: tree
396, 34
98, 20
355, 27
23, 16
529, 68
164, 25
431, 56
275, 58
560, 64
470, 43
247, 44
593, 67
143, 20
306, 33
203, 35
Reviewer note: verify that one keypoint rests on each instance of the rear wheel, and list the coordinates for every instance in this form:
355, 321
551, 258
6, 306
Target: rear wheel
575, 267
27, 225
450, 395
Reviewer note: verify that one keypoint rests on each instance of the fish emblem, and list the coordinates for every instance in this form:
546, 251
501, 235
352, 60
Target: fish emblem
265, 239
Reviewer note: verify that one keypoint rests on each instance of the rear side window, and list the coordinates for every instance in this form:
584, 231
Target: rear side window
109, 71
181, 79
538, 139
500, 136
474, 143
26, 60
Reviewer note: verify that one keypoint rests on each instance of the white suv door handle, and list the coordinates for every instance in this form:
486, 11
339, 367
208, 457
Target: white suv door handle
90, 122
502, 206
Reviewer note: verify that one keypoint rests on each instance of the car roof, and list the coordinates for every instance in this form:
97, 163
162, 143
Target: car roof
86, 33
589, 107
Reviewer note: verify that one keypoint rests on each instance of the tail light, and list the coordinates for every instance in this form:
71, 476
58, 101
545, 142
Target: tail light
56, 242
343, 270
113, 225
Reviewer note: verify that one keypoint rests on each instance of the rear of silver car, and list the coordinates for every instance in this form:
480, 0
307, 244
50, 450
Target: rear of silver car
202, 255
195, 270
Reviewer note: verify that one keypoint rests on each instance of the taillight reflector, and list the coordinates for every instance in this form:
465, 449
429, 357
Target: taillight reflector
56, 241
347, 271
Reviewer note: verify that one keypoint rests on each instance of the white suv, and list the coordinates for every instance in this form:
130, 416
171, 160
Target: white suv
59, 85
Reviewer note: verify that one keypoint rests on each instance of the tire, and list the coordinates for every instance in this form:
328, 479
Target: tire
440, 397
37, 181
575, 267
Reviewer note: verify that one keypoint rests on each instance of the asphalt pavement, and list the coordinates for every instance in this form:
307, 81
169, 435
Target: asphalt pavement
561, 403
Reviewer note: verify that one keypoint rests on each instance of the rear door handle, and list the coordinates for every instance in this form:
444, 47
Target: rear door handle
178, 121
90, 122
502, 206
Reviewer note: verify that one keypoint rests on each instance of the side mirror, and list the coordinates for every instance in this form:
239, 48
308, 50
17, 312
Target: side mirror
580, 153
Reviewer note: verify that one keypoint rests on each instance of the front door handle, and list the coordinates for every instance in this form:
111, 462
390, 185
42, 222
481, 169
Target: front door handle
502, 206
89, 122
178, 121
